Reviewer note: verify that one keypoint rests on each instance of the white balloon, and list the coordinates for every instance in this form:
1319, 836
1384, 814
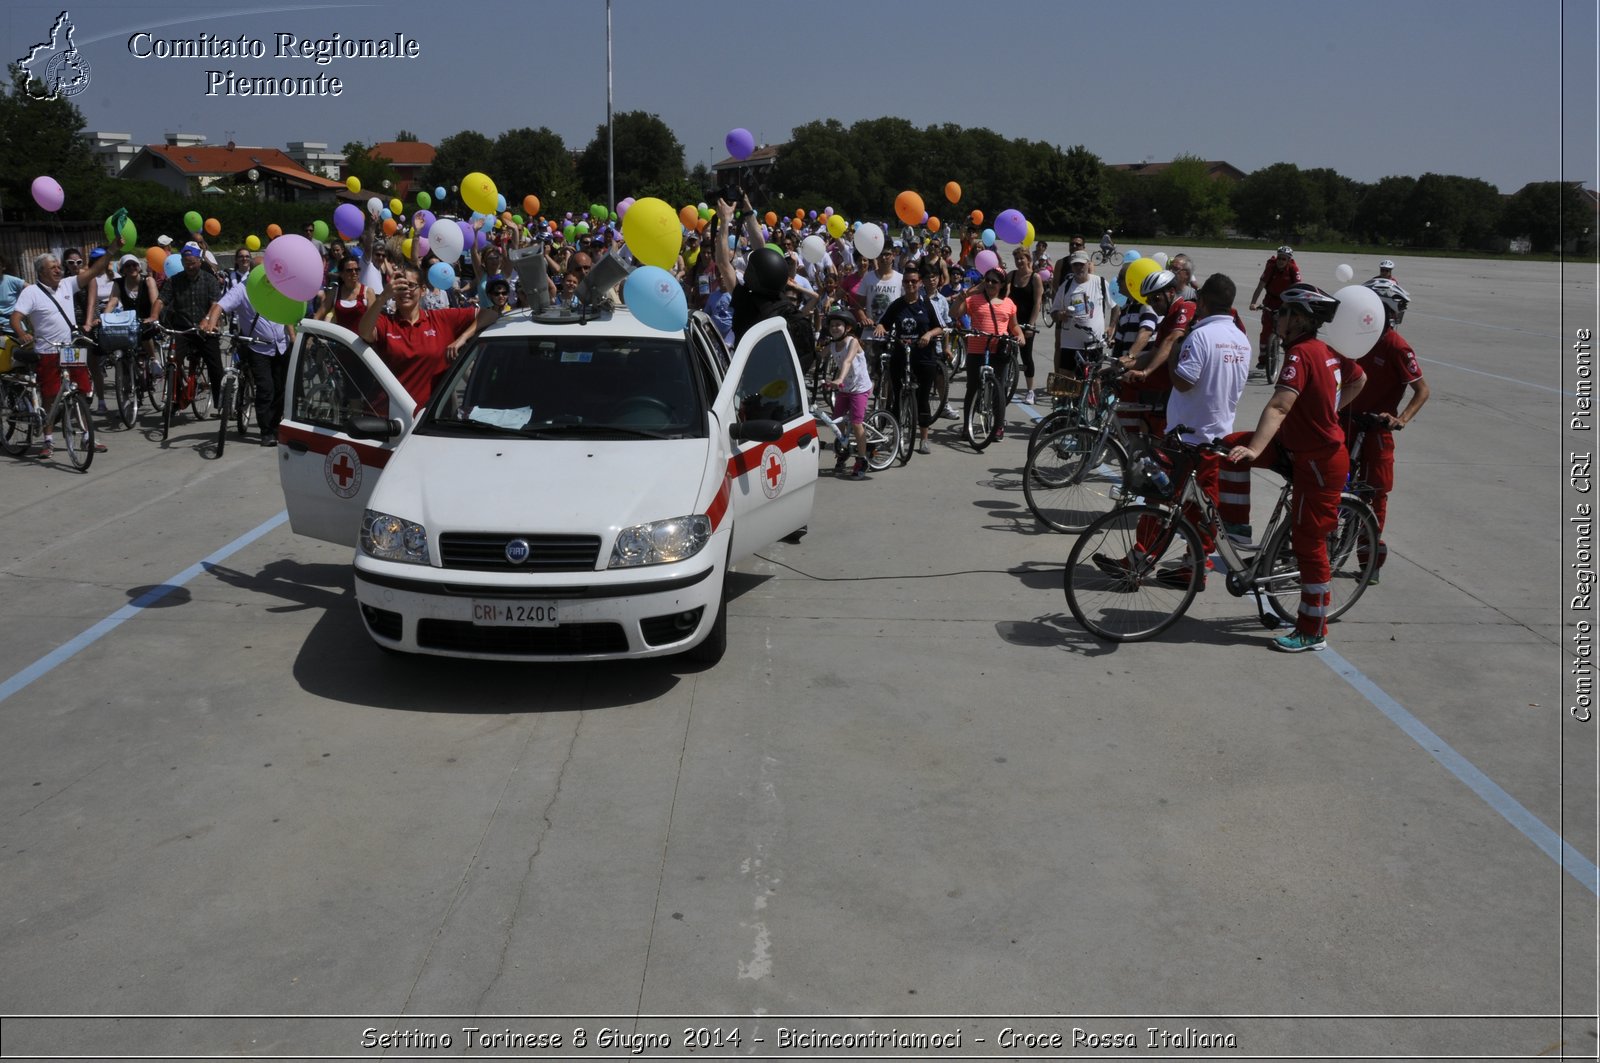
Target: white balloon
374, 206
445, 240
869, 240
1357, 324
813, 250
1344, 273
1161, 259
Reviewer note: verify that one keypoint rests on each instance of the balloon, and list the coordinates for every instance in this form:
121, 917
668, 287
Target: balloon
622, 208
656, 299
570, 233
478, 192
836, 225
424, 200
977, 217
156, 258
482, 241
1029, 238
499, 202
1011, 226
213, 227
172, 265
934, 224
192, 222
800, 212
530, 205
652, 233
353, 183
1138, 270
1130, 255
405, 248
389, 227
469, 236
740, 142
130, 235
811, 215
687, 216
705, 213
796, 224
1343, 273
1358, 322
813, 250
1159, 258
348, 220
268, 301
583, 228
952, 192
294, 267
319, 230
908, 208
48, 194
438, 193
396, 207
445, 239
988, 238
985, 261
375, 206
869, 240
442, 276
771, 218
517, 219
422, 220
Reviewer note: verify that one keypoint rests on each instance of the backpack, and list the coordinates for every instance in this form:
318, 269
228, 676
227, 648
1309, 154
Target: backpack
803, 335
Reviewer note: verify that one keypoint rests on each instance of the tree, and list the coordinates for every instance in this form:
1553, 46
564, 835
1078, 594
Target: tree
1380, 216
1445, 210
45, 137
649, 160
1276, 201
1189, 199
458, 155
1542, 211
405, 136
817, 164
537, 161
371, 169
1337, 194
1066, 190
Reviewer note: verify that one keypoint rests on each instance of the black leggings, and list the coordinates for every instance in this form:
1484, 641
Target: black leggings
1027, 356
924, 372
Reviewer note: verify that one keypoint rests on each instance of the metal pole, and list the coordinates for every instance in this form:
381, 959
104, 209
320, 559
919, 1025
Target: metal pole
611, 144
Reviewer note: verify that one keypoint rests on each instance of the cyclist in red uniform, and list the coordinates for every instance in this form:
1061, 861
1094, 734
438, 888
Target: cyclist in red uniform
1301, 422
1149, 382
1391, 367
1281, 271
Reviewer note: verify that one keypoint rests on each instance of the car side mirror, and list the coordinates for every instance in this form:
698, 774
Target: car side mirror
369, 427
756, 431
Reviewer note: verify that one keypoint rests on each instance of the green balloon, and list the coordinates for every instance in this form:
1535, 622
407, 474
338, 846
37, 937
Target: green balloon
130, 235
319, 229
517, 218
570, 233
192, 221
424, 200
582, 227
705, 214
269, 302
776, 248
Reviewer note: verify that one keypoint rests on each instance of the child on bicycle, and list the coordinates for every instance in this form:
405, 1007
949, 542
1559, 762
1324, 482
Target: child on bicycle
853, 387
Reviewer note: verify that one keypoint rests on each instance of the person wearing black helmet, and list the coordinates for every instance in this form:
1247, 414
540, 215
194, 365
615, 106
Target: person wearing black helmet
1280, 272
759, 295
1391, 367
1301, 421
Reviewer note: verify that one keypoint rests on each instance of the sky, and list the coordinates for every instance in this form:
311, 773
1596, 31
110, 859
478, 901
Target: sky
1471, 87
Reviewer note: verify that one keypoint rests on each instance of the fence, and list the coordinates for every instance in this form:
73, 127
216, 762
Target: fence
21, 242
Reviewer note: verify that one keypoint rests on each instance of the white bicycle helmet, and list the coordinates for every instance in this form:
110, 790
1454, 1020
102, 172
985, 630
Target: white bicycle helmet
1387, 263
1285, 251
1395, 298
1313, 300
1158, 281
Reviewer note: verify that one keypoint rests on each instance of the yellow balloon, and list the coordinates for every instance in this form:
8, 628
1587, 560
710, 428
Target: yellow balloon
653, 232
479, 193
405, 247
1137, 272
253, 242
353, 183
395, 206
1027, 241
837, 225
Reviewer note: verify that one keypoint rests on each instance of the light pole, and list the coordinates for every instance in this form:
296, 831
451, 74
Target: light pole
611, 145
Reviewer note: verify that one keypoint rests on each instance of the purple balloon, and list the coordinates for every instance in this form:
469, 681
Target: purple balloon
348, 219
741, 143
48, 194
1011, 226
483, 241
469, 235
422, 220
421, 247
622, 208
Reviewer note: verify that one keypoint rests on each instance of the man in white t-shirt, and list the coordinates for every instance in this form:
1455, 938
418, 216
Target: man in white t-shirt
43, 318
1082, 300
1208, 377
879, 287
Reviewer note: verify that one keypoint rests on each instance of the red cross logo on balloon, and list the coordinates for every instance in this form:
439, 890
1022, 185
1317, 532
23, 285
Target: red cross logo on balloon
773, 471
1366, 319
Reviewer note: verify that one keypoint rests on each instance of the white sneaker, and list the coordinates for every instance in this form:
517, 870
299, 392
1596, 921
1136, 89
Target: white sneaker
1029, 397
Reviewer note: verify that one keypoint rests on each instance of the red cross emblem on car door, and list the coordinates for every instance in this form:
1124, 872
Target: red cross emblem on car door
773, 471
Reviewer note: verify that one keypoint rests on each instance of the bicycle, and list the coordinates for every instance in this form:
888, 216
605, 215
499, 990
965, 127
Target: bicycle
1102, 257
118, 337
1135, 571
1272, 355
21, 416
882, 430
238, 394
903, 402
187, 385
983, 410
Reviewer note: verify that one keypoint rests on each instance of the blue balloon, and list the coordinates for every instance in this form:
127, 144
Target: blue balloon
174, 265
988, 238
656, 299
441, 276
500, 203
1131, 256
387, 214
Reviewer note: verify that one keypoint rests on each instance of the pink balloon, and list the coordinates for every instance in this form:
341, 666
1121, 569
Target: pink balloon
421, 247
293, 267
48, 194
986, 261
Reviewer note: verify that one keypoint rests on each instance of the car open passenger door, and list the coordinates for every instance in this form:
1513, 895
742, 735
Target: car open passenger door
344, 414
772, 482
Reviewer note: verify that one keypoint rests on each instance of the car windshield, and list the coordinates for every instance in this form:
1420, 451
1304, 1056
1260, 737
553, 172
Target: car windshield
577, 384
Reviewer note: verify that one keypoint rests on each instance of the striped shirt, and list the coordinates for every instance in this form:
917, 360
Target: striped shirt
1135, 317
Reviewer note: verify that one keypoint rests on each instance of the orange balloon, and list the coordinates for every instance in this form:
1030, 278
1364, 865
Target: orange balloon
908, 208
155, 258
977, 217
772, 218
213, 227
688, 215
389, 226
530, 205
933, 224
952, 192
273, 231
796, 224
505, 216
700, 225
799, 213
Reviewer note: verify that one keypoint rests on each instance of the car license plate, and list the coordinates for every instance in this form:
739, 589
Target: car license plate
515, 614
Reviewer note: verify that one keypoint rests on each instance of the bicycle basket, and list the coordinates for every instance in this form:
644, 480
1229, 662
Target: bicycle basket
118, 330
1064, 386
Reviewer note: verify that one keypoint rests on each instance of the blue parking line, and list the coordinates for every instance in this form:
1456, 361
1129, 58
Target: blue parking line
61, 654
1552, 844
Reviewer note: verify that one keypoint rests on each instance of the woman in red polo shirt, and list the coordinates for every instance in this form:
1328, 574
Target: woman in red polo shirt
418, 345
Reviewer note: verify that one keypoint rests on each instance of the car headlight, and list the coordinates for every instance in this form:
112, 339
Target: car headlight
661, 542
391, 538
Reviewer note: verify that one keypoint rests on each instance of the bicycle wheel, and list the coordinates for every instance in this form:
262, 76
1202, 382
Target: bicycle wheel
148, 385
908, 425
941, 390
1097, 258
1116, 259
230, 396
123, 385
1352, 558
16, 420
1274, 359
1072, 477
978, 413
883, 439
170, 394
245, 415
1123, 589
77, 430
1054, 421
202, 393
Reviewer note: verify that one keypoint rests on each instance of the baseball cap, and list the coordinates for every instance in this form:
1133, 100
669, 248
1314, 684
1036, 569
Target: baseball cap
1077, 256
125, 259
96, 253
164, 240
191, 250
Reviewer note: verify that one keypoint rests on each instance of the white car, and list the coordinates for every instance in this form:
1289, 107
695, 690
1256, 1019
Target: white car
576, 488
